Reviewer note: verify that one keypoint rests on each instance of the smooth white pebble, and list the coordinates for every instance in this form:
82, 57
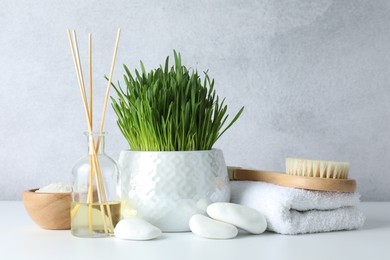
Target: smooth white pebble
240, 216
209, 228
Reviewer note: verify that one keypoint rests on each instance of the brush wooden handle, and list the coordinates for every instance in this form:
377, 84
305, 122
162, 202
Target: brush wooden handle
300, 182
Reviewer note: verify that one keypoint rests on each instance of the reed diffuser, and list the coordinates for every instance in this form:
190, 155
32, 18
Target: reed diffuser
95, 206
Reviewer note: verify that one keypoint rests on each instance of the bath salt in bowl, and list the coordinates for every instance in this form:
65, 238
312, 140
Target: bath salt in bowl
49, 207
56, 188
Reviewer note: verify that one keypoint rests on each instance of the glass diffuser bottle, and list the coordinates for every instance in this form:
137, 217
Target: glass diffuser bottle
95, 206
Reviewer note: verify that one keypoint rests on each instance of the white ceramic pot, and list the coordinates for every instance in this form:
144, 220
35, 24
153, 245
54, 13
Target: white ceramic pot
167, 188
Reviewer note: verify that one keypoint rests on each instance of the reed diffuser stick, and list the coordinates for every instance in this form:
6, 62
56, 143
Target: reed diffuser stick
102, 192
91, 172
80, 71
103, 117
90, 79
108, 86
90, 194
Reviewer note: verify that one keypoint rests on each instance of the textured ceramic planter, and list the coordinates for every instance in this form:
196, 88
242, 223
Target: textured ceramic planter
167, 188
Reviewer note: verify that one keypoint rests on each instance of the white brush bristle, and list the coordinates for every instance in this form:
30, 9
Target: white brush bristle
317, 168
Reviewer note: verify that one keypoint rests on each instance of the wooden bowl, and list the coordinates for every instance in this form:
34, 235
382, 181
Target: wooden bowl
48, 210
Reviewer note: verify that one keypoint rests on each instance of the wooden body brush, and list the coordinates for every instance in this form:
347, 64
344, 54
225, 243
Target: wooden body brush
303, 174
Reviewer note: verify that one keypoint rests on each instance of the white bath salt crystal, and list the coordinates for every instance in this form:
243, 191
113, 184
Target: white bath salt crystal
136, 229
56, 188
240, 216
209, 228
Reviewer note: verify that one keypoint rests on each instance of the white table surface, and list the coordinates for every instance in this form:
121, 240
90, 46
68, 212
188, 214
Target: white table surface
21, 239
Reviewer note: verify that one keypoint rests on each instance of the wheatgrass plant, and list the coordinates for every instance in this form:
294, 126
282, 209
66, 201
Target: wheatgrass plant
170, 109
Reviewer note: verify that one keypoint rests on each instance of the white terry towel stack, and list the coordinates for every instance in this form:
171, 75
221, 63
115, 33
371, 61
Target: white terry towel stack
297, 211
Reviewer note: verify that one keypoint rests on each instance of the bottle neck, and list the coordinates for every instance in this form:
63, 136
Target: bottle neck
96, 141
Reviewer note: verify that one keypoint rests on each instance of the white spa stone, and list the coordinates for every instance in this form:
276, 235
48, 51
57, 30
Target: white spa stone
209, 228
136, 229
240, 216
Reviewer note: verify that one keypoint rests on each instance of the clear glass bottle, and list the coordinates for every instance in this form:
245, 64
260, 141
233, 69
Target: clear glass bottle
95, 206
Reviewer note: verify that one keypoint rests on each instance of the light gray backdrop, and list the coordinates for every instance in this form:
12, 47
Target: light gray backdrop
313, 76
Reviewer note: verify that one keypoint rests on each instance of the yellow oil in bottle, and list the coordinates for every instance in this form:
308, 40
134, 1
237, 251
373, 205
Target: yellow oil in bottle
87, 219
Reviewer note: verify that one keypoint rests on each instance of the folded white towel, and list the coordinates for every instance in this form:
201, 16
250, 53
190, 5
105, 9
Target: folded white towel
296, 211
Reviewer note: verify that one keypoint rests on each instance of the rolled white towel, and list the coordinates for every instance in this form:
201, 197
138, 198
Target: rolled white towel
297, 211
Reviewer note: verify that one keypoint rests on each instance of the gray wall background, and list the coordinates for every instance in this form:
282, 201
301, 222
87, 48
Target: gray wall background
313, 77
